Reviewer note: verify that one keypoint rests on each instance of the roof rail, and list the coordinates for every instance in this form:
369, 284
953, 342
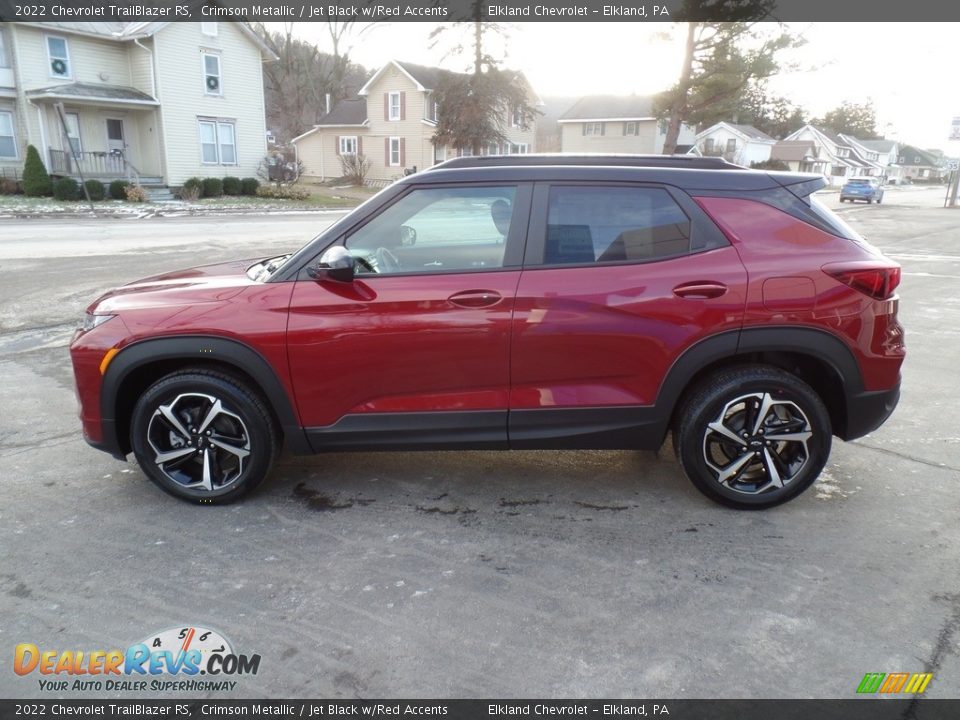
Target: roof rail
692, 162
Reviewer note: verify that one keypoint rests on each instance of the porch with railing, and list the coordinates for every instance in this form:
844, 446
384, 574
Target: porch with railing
96, 164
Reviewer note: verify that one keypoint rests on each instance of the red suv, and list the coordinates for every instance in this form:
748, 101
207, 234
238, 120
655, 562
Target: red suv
515, 302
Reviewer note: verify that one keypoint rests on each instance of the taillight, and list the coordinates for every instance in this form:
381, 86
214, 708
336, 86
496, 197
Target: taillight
877, 282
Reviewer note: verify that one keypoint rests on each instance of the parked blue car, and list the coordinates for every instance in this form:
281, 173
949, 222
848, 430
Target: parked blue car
862, 188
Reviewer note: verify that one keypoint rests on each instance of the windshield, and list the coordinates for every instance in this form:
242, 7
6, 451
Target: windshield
859, 181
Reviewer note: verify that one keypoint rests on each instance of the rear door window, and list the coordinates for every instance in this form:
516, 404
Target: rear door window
614, 224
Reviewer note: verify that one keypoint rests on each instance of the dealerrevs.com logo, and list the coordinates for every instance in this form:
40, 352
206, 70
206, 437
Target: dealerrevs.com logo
167, 661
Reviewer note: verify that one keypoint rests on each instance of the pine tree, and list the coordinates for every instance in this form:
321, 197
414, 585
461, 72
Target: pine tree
36, 182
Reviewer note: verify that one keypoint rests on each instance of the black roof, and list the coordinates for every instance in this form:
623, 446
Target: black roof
346, 112
426, 75
545, 159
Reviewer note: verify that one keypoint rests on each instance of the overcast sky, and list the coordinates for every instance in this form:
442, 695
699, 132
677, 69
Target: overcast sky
907, 69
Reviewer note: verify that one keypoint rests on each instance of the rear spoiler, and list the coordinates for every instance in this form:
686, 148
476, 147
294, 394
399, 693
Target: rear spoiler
800, 184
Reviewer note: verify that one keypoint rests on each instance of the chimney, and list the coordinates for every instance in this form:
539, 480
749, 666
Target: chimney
328, 103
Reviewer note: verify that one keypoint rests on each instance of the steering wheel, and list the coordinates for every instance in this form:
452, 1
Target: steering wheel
386, 261
366, 264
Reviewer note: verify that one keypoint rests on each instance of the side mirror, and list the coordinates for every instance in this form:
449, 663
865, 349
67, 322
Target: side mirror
335, 264
408, 236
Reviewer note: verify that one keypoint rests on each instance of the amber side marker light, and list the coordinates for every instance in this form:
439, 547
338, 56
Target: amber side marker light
105, 363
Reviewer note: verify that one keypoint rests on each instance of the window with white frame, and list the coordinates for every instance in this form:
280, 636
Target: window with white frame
4, 57
519, 148
212, 77
218, 142
8, 141
516, 119
631, 128
348, 145
662, 127
493, 149
731, 145
394, 106
394, 152
594, 129
209, 28
59, 56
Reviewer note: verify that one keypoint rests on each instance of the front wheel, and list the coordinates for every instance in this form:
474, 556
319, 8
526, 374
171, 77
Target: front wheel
203, 436
753, 437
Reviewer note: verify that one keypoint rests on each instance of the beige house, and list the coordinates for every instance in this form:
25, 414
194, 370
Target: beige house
392, 125
617, 124
158, 102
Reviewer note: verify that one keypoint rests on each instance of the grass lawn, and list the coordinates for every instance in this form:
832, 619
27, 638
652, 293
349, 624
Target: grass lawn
321, 197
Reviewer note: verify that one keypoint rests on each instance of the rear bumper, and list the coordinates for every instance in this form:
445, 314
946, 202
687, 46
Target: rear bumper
866, 411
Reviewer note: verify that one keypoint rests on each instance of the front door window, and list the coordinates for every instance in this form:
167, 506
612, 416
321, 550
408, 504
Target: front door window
437, 230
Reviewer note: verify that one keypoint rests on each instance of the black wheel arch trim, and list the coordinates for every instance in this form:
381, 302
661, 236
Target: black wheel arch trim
809, 341
204, 349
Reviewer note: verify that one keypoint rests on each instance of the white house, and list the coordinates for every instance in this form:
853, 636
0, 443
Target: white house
739, 144
841, 158
617, 124
888, 156
159, 102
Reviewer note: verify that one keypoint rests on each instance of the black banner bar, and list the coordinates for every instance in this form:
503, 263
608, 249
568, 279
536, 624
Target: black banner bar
855, 709
490, 10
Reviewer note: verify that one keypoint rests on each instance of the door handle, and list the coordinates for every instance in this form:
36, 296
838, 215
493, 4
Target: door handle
701, 290
475, 298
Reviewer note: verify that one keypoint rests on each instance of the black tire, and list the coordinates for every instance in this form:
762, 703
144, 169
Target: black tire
733, 399
220, 431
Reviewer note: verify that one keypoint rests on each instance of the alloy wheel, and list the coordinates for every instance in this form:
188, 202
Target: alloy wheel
757, 443
198, 443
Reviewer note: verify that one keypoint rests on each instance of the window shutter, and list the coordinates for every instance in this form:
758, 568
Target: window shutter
386, 106
386, 151
583, 129
625, 128
336, 147
403, 108
603, 128
359, 145
403, 150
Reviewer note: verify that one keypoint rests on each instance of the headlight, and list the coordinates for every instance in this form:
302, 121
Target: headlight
90, 320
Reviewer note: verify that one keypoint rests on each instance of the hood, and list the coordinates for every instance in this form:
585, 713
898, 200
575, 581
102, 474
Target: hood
204, 284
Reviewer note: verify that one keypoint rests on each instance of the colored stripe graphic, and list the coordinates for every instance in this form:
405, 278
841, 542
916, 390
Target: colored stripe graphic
893, 683
871, 682
918, 682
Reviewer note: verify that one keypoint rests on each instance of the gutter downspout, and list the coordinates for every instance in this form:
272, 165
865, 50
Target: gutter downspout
157, 119
153, 79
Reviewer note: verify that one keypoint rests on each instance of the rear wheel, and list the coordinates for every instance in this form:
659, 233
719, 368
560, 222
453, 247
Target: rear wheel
203, 436
753, 437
